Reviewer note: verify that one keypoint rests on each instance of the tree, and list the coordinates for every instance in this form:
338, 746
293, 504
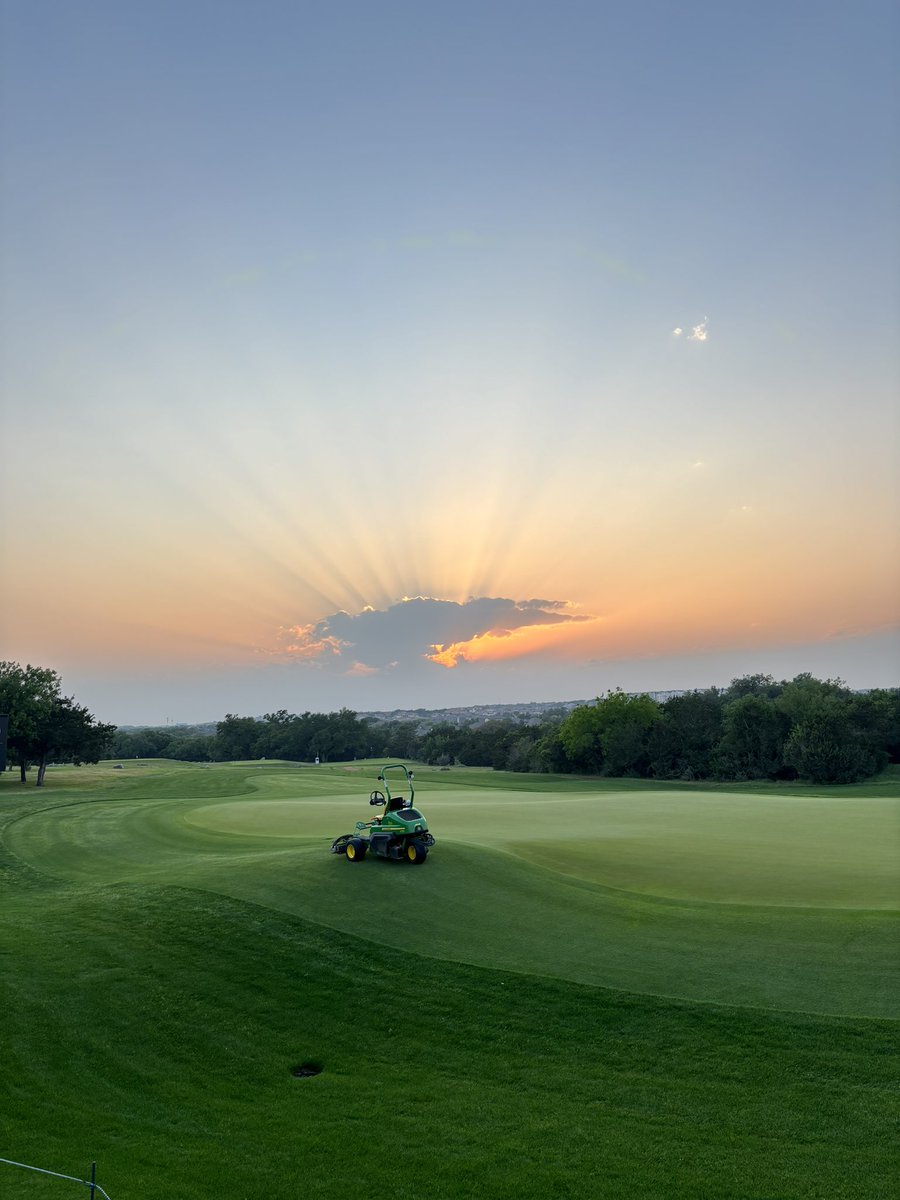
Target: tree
551, 754
611, 737
27, 695
493, 741
752, 742
142, 743
194, 747
580, 738
395, 739
440, 745
71, 733
236, 738
349, 735
832, 737
824, 747
805, 693
625, 725
43, 724
525, 752
753, 685
876, 715
278, 736
682, 743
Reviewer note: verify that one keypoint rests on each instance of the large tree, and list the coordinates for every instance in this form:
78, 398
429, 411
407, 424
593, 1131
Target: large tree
70, 733
579, 736
824, 747
44, 724
752, 743
27, 696
236, 738
682, 743
611, 737
626, 723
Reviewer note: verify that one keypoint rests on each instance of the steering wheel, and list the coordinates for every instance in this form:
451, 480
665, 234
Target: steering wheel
377, 798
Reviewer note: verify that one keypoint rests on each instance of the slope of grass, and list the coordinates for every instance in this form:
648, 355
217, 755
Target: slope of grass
155, 1029
174, 940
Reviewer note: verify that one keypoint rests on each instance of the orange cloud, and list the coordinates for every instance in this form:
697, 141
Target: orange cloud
499, 646
359, 670
301, 642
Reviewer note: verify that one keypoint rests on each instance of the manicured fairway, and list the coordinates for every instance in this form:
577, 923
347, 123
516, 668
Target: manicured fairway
175, 939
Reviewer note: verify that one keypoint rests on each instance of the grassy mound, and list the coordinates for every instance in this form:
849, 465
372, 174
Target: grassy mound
768, 900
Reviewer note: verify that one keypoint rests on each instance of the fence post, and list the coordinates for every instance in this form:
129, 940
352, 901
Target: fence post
93, 1180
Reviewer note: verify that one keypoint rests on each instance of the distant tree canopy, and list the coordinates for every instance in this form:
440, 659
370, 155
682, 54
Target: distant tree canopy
44, 725
756, 728
330, 737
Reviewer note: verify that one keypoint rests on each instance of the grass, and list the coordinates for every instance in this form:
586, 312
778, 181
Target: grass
176, 939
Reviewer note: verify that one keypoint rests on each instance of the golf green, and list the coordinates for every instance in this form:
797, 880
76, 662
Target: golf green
770, 900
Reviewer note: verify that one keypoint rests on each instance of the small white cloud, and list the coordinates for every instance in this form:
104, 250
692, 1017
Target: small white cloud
698, 464
699, 333
677, 332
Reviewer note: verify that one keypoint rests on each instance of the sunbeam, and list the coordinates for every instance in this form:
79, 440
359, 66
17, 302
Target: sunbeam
343, 338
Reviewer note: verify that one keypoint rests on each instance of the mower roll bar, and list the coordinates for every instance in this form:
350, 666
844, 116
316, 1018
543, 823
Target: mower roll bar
406, 780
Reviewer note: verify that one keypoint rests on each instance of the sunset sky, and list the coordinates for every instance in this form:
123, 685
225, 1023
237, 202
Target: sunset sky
412, 354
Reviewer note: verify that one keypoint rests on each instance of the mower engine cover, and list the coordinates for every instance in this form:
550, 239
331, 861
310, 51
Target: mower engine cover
402, 820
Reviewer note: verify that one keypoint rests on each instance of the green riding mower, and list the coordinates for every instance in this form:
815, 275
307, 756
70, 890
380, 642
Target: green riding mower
400, 832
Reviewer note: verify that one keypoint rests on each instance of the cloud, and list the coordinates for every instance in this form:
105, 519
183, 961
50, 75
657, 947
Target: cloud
360, 670
305, 644
421, 629
699, 333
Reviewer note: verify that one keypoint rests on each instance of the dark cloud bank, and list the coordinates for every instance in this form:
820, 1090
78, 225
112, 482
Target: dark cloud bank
408, 632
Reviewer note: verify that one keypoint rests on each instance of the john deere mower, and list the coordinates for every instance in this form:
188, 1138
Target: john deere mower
400, 832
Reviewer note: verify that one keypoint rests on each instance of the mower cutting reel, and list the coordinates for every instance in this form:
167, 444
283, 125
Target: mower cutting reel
400, 832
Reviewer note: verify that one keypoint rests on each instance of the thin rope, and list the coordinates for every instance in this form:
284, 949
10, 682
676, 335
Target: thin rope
56, 1175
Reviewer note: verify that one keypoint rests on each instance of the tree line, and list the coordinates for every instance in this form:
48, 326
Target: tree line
44, 725
805, 728
756, 728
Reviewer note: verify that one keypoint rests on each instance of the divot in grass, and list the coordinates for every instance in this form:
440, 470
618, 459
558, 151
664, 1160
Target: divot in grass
306, 1070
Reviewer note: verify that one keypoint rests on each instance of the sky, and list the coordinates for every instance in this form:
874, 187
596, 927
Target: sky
392, 355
